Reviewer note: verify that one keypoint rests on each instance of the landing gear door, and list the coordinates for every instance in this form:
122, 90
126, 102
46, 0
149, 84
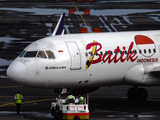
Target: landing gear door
74, 55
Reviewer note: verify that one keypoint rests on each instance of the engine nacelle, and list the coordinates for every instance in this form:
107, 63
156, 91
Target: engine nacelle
134, 75
142, 75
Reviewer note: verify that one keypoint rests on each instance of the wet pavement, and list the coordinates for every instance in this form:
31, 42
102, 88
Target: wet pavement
23, 22
105, 103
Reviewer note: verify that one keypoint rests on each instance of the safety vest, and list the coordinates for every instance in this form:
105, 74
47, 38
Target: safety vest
81, 100
70, 97
18, 99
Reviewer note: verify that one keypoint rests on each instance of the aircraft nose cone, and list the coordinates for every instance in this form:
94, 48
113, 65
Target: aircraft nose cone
17, 72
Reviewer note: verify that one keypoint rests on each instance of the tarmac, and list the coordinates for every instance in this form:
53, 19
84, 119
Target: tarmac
23, 22
13, 117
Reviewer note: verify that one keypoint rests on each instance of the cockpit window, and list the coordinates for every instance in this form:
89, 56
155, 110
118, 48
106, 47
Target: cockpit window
50, 55
41, 54
30, 54
22, 53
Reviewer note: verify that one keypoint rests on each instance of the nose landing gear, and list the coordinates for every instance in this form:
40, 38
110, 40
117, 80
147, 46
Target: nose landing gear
62, 91
137, 94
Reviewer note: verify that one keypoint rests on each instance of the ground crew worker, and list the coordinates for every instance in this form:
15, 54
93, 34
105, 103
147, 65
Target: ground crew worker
81, 100
70, 99
18, 101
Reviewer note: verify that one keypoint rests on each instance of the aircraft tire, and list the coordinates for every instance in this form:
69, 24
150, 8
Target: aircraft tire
142, 94
61, 115
76, 118
132, 94
52, 112
56, 118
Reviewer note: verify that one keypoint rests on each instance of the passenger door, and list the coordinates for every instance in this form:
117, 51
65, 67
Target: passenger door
74, 55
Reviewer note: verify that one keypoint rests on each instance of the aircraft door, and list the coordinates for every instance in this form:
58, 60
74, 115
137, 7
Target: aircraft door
159, 52
74, 55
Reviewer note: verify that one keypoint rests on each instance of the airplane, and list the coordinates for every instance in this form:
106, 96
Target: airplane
81, 63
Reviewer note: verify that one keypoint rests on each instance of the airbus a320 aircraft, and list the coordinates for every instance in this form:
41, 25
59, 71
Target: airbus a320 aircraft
81, 63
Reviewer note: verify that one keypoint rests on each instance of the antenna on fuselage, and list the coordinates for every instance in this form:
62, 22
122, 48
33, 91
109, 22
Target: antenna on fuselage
59, 26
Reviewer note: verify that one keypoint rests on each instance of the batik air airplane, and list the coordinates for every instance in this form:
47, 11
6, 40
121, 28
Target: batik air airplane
81, 63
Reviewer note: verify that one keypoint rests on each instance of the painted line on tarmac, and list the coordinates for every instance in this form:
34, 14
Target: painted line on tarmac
40, 96
12, 103
39, 100
34, 102
75, 6
149, 99
28, 96
6, 96
27, 102
153, 100
10, 86
80, 14
105, 97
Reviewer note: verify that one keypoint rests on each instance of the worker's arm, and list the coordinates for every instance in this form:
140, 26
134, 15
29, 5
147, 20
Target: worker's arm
15, 98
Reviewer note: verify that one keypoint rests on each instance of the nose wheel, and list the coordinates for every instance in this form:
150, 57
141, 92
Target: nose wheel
137, 94
62, 91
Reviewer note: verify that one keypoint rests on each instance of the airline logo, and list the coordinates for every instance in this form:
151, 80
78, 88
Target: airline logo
107, 56
89, 62
145, 46
144, 42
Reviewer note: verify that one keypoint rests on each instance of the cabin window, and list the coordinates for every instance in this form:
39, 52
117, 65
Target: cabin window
96, 53
30, 54
135, 51
130, 51
125, 52
111, 52
145, 51
149, 50
41, 54
154, 50
50, 54
86, 54
101, 53
140, 51
106, 52
22, 53
116, 52
91, 53
121, 52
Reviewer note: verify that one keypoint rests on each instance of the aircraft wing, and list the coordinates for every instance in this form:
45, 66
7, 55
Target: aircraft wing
156, 71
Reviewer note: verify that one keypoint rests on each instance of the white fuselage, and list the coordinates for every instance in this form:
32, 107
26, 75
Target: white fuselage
115, 59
